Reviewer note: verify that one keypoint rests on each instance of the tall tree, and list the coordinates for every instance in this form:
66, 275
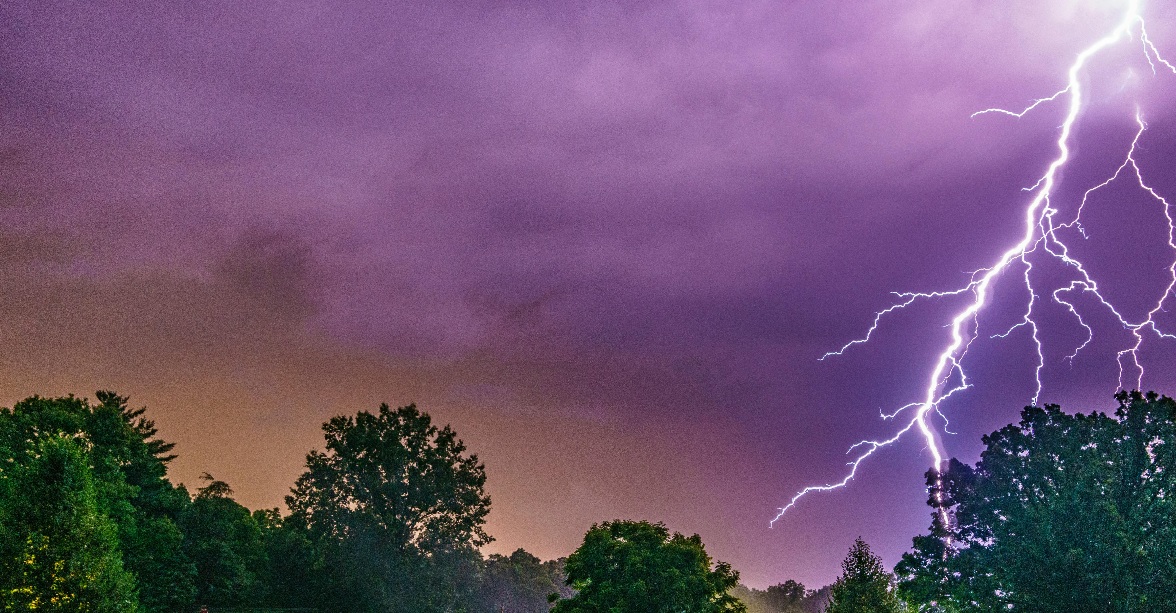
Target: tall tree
1063, 513
129, 466
632, 567
60, 550
395, 508
864, 585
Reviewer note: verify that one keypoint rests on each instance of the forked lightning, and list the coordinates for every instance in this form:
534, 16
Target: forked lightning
1041, 239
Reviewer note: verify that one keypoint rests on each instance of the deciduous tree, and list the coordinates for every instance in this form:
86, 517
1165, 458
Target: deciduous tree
224, 540
60, 551
632, 567
520, 583
788, 597
1063, 513
395, 508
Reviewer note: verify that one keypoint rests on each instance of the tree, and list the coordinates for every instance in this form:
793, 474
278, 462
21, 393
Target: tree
864, 585
788, 597
638, 567
1063, 513
288, 577
520, 583
395, 509
128, 468
60, 551
224, 540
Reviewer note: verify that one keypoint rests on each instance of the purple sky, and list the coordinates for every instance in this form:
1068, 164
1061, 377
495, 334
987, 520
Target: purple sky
606, 242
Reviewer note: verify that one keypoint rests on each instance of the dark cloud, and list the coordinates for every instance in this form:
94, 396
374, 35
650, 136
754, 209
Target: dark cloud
274, 270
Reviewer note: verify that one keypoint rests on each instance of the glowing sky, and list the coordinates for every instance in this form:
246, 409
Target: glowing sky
606, 242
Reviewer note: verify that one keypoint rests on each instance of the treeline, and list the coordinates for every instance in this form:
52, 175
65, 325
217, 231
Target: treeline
1064, 513
388, 518
788, 597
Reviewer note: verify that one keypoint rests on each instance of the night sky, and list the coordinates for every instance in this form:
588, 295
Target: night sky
607, 242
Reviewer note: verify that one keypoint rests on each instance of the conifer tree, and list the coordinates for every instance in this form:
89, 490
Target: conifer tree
864, 586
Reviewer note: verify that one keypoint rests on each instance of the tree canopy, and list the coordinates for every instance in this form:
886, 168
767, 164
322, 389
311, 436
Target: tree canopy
224, 541
521, 583
636, 566
60, 550
395, 508
128, 467
1063, 513
389, 517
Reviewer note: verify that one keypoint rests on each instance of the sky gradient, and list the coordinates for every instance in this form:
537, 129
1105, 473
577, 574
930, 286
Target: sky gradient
606, 242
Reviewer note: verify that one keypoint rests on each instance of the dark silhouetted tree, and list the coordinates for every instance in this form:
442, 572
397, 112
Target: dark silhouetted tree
520, 583
631, 567
288, 577
224, 540
787, 597
394, 510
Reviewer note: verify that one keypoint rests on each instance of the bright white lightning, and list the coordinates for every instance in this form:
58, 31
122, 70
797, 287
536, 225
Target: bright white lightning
1040, 237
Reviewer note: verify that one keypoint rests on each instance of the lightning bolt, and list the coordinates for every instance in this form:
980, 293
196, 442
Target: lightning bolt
1042, 238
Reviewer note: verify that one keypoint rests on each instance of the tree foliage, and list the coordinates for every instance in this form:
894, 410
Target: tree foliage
521, 583
788, 597
631, 567
1063, 513
288, 577
864, 585
394, 509
224, 541
128, 467
60, 550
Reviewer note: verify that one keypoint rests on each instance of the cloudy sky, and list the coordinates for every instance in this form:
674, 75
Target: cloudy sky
608, 242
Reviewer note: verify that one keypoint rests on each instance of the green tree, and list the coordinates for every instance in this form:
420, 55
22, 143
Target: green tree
224, 540
1063, 513
129, 466
394, 509
288, 577
789, 596
60, 550
639, 567
864, 585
